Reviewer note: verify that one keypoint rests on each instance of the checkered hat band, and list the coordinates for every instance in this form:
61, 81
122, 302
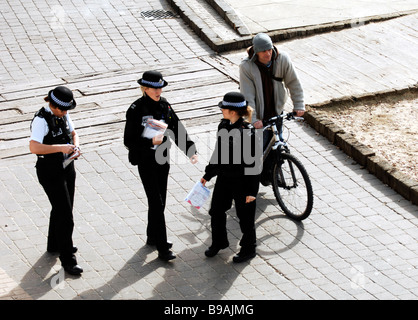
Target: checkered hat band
154, 84
61, 103
234, 104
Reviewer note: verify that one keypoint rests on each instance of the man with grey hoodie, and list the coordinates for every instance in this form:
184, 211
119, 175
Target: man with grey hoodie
264, 76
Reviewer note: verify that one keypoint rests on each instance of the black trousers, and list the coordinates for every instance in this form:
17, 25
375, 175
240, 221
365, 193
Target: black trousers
59, 186
154, 178
228, 189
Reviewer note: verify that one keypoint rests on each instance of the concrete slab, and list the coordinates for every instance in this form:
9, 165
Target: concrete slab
274, 15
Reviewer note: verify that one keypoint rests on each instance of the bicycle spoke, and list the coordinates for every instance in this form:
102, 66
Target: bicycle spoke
292, 188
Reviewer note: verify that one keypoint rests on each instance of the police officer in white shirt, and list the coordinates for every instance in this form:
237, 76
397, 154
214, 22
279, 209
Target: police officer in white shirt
55, 142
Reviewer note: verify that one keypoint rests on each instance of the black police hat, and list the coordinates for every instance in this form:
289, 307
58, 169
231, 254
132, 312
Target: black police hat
234, 101
152, 79
62, 98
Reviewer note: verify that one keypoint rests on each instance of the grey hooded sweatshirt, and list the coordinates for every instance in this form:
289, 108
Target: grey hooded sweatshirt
252, 88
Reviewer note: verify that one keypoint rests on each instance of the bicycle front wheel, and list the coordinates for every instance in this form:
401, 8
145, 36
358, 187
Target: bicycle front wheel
292, 187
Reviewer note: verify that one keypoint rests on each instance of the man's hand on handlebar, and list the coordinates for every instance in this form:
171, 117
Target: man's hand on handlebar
258, 124
291, 115
298, 113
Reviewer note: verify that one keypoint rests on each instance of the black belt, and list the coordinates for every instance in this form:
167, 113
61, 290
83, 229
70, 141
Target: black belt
50, 157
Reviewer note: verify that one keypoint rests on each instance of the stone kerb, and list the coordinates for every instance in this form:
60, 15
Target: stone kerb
362, 154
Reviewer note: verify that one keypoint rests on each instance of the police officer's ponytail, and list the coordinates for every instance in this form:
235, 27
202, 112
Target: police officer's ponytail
245, 113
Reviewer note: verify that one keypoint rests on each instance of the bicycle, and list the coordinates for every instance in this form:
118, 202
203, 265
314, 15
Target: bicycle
291, 184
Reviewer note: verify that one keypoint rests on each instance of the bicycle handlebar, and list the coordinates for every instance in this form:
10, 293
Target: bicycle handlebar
287, 116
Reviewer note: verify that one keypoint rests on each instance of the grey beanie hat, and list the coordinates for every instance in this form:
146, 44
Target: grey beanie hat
262, 42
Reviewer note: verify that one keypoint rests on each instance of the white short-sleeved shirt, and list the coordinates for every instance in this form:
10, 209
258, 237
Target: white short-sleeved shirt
40, 127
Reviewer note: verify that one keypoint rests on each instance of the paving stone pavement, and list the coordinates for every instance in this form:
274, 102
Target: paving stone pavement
359, 243
43, 40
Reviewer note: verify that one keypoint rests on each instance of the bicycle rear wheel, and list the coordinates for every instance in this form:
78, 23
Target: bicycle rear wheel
292, 187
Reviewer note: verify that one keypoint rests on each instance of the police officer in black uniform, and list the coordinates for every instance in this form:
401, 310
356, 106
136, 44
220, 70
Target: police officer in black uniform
151, 154
237, 176
54, 140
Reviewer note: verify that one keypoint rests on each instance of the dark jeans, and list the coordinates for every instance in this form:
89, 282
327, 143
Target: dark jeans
228, 189
59, 186
154, 178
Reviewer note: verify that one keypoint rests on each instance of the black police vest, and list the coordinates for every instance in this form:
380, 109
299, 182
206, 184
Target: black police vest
59, 132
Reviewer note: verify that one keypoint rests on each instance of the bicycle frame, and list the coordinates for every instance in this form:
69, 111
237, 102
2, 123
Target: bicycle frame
276, 140
278, 144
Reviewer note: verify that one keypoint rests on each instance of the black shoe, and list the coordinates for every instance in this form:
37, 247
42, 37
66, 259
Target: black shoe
53, 251
242, 257
166, 256
213, 250
75, 270
152, 242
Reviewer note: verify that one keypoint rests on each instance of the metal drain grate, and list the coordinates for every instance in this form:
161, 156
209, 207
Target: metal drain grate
157, 14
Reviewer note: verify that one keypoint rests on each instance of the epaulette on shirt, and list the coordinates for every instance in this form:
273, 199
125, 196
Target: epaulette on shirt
247, 125
42, 113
